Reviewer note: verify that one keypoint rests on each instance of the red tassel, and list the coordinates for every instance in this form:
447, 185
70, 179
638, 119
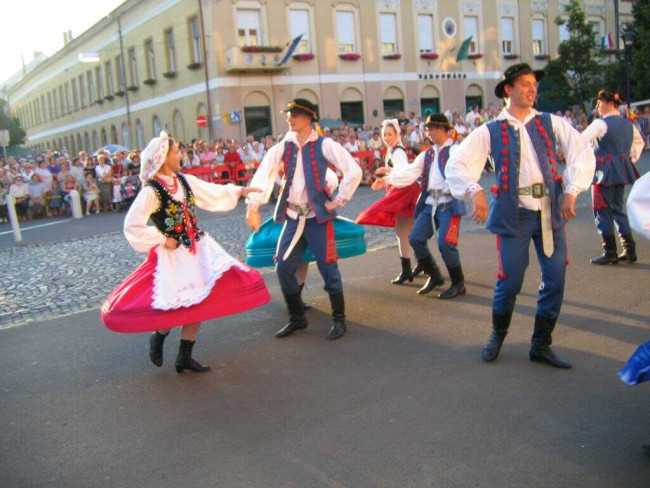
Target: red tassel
501, 275
494, 189
454, 229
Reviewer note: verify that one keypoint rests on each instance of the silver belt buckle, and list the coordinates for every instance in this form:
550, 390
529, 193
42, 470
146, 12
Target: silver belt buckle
537, 190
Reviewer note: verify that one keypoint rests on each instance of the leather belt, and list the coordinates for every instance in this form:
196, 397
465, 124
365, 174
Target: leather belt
536, 190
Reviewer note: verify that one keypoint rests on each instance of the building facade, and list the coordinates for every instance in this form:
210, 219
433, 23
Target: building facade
357, 60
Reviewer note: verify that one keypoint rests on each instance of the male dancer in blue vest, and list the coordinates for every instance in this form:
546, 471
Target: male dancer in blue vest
306, 208
435, 207
531, 201
619, 146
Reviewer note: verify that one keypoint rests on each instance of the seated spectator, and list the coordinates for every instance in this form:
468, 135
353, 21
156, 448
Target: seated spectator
53, 166
257, 152
37, 192
27, 172
247, 157
91, 194
20, 191
232, 157
89, 169
206, 155
4, 212
67, 187
219, 157
351, 143
65, 171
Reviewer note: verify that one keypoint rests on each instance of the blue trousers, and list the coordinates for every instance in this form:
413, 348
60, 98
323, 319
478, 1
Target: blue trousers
423, 231
513, 261
314, 236
614, 212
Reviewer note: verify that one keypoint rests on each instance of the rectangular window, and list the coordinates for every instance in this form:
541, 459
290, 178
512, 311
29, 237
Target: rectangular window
110, 82
171, 51
68, 106
43, 109
429, 106
82, 92
61, 98
345, 32
598, 33
425, 33
539, 43
508, 35
565, 34
133, 67
195, 38
151, 61
470, 24
75, 94
388, 30
50, 107
100, 83
91, 86
299, 24
119, 71
352, 112
249, 32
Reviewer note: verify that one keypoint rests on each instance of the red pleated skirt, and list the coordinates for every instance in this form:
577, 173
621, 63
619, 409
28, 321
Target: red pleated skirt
397, 201
128, 308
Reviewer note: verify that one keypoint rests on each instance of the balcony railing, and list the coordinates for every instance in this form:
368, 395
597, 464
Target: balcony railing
254, 59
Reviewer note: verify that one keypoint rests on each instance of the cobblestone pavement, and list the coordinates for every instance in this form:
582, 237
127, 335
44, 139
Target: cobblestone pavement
58, 278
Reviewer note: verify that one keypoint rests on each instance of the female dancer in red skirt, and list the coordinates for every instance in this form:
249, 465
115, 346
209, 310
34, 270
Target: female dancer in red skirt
397, 207
187, 277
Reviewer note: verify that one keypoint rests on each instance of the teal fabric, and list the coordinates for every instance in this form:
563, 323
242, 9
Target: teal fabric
261, 245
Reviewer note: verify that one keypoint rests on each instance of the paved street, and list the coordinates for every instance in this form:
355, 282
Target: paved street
403, 400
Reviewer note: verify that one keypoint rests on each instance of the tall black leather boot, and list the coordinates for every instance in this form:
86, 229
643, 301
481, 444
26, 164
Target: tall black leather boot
457, 284
500, 326
610, 256
297, 319
338, 316
406, 273
435, 277
156, 341
185, 361
417, 270
629, 249
305, 306
540, 350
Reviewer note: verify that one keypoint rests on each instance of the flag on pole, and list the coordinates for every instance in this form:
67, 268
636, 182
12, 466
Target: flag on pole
292, 48
463, 52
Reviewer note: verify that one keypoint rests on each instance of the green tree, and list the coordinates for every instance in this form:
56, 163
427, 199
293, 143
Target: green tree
577, 67
16, 132
641, 50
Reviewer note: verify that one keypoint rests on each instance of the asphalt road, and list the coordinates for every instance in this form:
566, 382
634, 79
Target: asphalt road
403, 400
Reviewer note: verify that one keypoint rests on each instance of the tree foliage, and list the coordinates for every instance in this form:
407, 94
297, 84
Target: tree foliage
16, 132
641, 50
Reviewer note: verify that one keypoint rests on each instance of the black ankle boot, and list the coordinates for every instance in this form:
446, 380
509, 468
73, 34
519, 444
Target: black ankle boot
184, 359
540, 350
297, 319
156, 341
338, 316
435, 277
629, 249
610, 256
305, 306
406, 273
500, 326
457, 284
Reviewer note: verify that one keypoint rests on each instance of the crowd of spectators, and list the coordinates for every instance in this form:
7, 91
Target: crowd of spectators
42, 185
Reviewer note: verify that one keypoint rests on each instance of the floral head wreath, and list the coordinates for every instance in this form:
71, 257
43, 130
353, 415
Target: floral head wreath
153, 156
394, 123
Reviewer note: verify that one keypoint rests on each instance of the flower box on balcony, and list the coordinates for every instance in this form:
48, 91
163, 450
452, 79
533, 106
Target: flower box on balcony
609, 51
133, 88
429, 55
349, 56
120, 93
149, 81
392, 56
475, 56
109, 97
303, 56
542, 57
261, 49
99, 100
511, 56
170, 74
194, 66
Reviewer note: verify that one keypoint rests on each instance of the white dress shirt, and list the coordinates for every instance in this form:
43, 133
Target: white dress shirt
407, 175
267, 172
466, 165
598, 128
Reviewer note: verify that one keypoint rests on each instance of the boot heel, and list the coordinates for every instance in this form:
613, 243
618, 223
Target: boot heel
179, 370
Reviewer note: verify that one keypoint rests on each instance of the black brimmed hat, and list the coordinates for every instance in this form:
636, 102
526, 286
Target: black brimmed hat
438, 120
302, 106
513, 72
608, 96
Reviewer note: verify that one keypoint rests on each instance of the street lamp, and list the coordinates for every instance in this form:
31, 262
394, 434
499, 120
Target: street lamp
629, 37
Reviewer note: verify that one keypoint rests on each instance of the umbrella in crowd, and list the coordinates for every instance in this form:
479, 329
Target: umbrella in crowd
112, 148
